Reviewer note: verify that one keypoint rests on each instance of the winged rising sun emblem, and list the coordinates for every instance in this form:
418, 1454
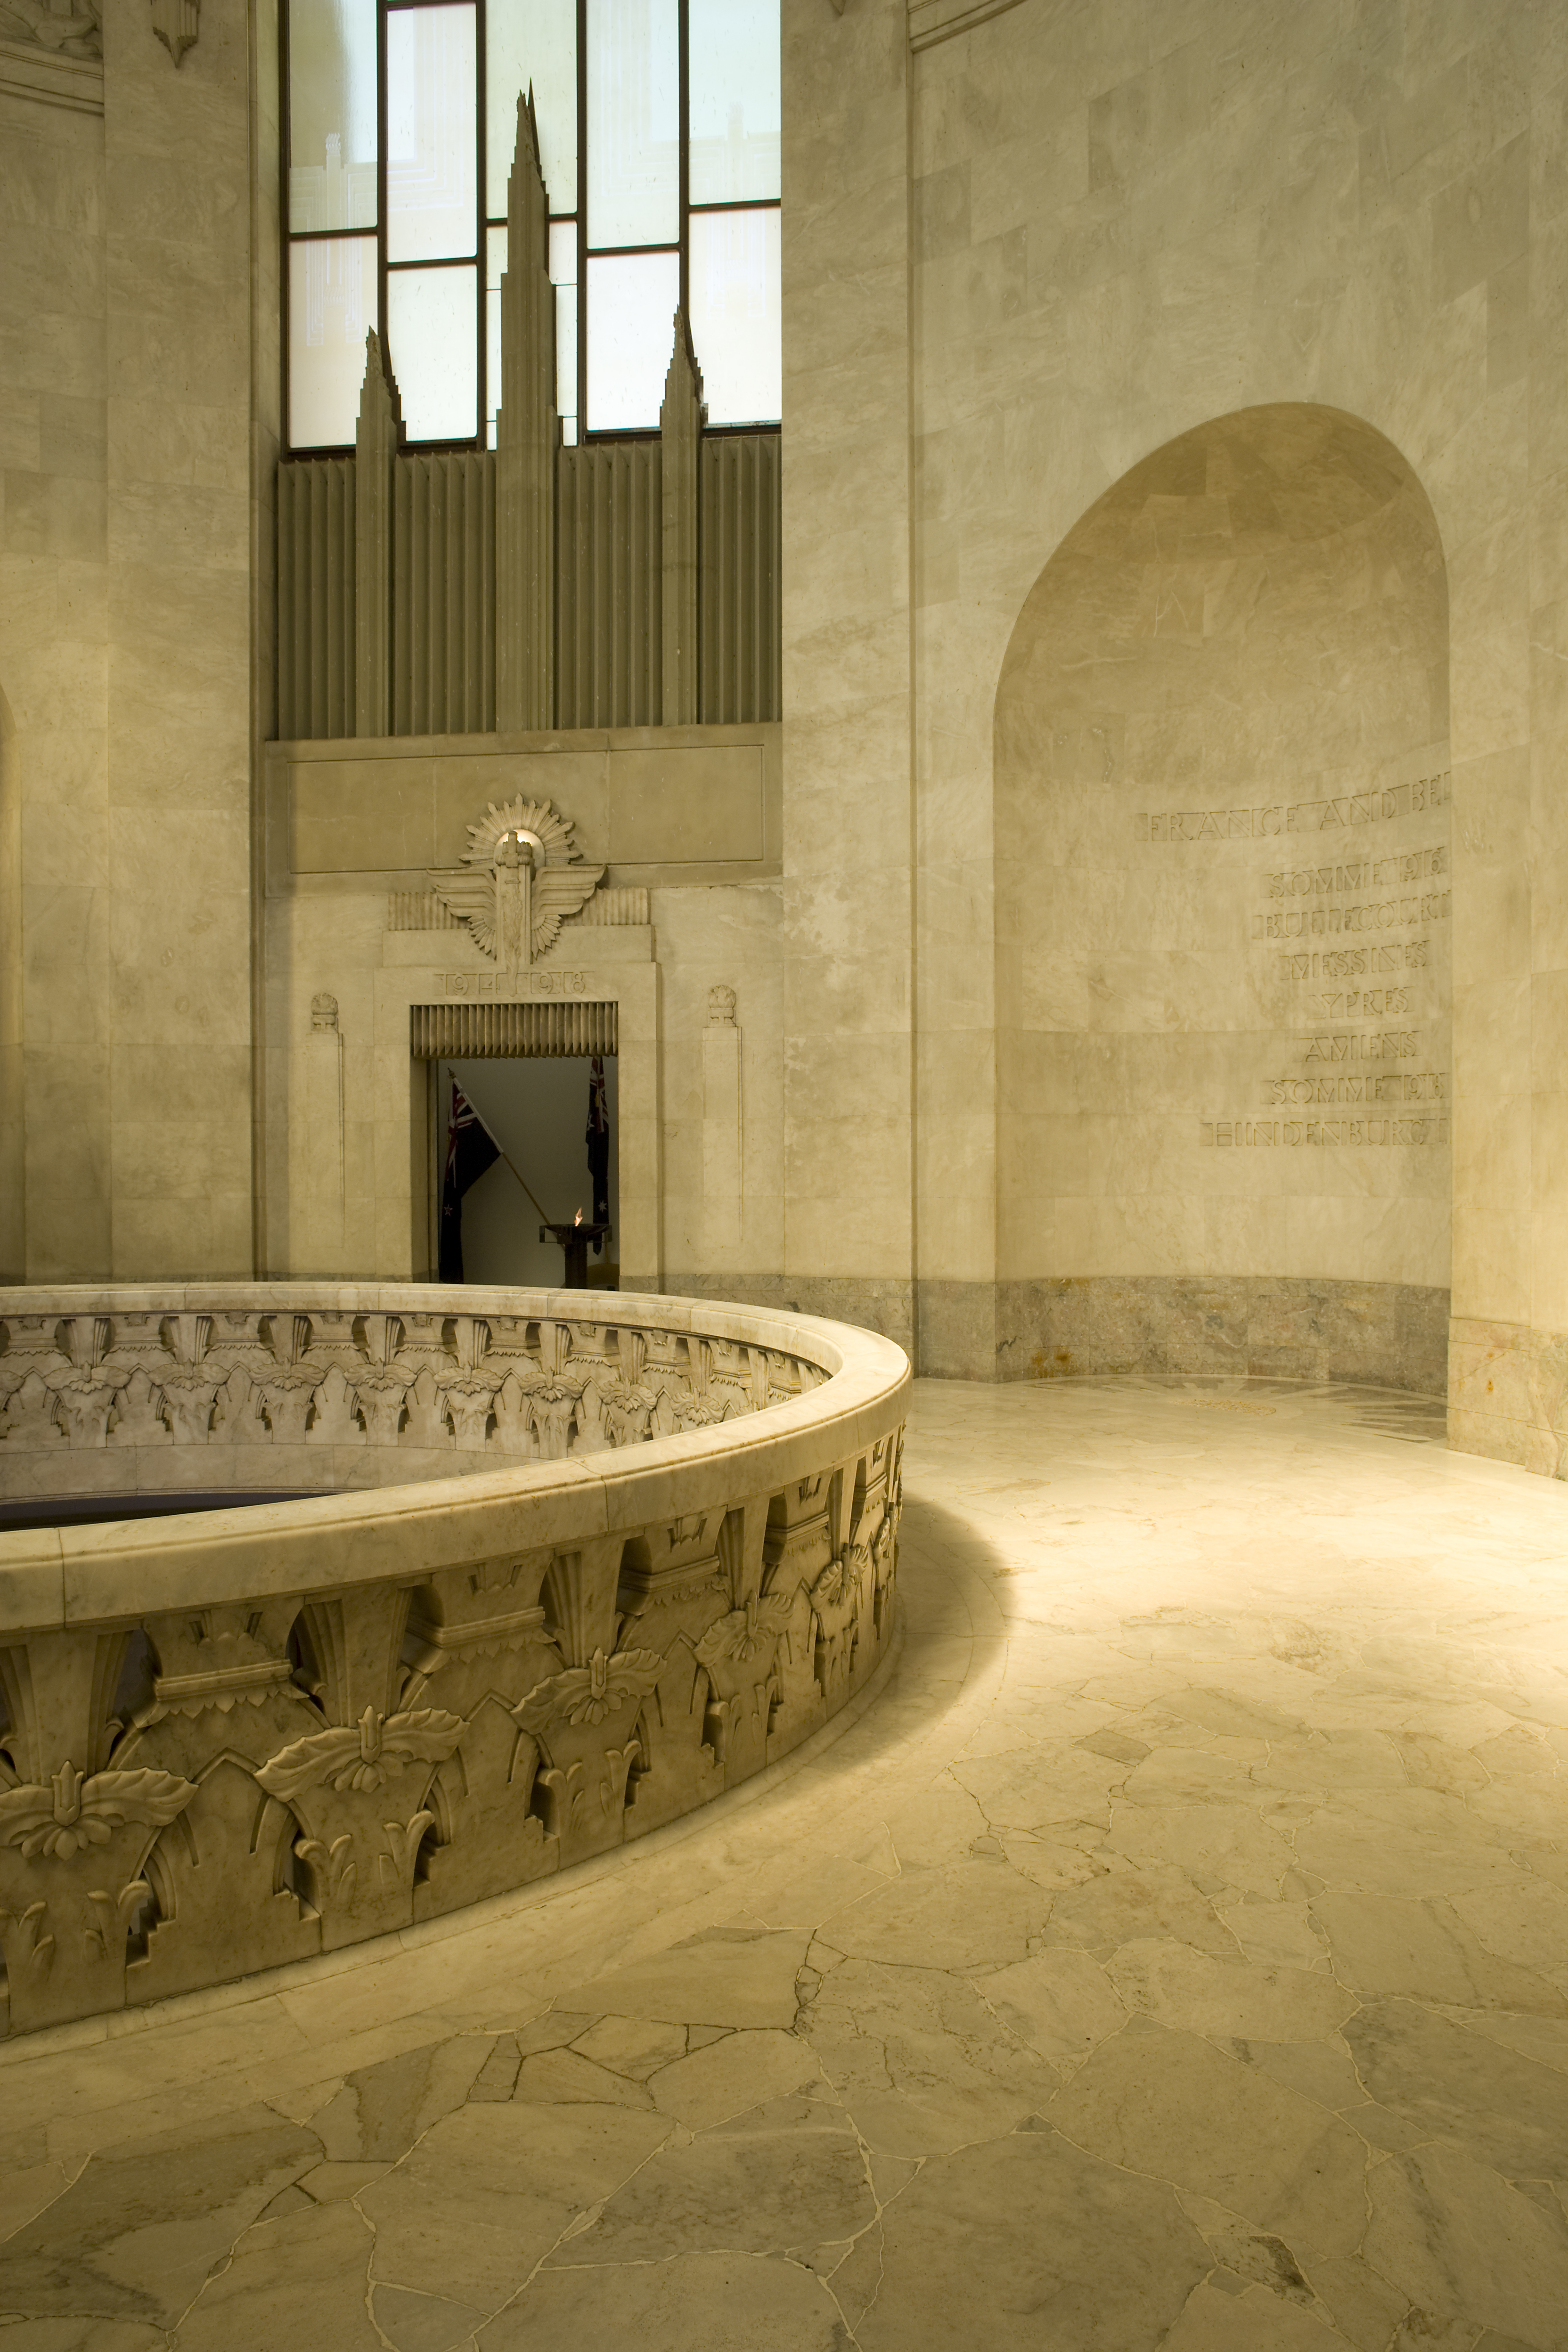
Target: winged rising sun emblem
518, 881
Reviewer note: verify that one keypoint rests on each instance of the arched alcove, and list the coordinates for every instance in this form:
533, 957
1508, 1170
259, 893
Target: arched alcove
1223, 919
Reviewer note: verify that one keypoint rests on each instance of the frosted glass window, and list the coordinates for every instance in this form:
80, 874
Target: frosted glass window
563, 275
332, 114
431, 133
432, 338
331, 309
632, 300
736, 315
566, 362
532, 41
495, 263
633, 122
733, 99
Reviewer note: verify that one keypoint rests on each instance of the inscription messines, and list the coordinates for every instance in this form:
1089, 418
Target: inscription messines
1364, 918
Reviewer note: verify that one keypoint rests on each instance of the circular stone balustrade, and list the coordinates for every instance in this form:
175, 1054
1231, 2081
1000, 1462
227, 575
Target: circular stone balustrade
563, 1580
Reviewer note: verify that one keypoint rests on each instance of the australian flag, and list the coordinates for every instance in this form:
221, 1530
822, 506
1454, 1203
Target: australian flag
598, 1141
469, 1151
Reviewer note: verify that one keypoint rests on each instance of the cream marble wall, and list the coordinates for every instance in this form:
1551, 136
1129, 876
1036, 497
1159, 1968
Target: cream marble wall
1019, 259
125, 653
847, 940
1222, 915
1136, 218
54, 670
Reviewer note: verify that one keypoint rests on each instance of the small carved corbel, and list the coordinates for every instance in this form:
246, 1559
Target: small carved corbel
175, 24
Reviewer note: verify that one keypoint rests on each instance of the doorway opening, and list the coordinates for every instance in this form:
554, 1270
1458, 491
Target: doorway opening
537, 1111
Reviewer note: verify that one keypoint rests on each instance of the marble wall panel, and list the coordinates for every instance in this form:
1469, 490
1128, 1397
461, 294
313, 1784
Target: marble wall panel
846, 651
1218, 704
55, 1170
1188, 249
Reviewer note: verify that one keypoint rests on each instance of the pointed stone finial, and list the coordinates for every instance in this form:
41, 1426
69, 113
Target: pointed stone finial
684, 407
680, 421
528, 436
380, 405
176, 24
377, 438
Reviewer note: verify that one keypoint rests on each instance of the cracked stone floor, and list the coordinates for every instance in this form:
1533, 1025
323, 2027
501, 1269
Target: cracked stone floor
1173, 1955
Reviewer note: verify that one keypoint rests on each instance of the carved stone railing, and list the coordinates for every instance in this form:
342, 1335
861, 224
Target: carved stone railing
238, 1737
289, 1386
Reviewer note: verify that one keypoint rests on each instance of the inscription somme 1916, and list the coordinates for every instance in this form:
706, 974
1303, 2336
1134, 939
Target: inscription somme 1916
1361, 897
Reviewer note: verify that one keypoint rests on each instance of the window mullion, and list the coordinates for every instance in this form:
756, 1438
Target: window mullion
684, 135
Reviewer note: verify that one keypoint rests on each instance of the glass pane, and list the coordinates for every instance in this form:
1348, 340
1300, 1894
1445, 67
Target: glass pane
495, 263
432, 338
566, 359
332, 114
332, 308
733, 89
633, 122
632, 301
431, 133
563, 275
736, 315
564, 253
532, 41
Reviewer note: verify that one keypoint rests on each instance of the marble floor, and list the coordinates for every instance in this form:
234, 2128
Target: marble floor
1174, 1954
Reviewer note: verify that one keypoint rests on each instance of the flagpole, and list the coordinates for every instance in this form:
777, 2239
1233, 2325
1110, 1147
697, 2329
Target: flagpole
501, 1155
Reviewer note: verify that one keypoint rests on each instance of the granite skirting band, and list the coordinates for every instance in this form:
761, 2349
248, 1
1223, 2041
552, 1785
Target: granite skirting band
883, 1305
1389, 1334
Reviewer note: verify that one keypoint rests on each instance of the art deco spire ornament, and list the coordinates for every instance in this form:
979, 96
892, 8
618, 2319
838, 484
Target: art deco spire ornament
518, 883
175, 24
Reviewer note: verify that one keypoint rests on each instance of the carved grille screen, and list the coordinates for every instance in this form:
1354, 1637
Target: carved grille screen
472, 1031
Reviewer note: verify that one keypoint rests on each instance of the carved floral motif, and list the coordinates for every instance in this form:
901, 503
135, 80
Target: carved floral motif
78, 1810
362, 1756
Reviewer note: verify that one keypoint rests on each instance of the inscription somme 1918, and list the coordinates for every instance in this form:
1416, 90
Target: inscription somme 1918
512, 986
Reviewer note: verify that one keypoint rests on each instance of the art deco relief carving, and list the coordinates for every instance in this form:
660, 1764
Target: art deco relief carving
498, 1386
176, 24
68, 29
204, 1787
518, 883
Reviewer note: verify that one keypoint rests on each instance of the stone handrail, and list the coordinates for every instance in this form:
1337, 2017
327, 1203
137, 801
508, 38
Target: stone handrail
240, 1737
284, 1378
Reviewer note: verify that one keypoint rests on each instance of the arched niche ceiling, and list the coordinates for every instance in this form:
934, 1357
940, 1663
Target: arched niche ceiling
1223, 918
